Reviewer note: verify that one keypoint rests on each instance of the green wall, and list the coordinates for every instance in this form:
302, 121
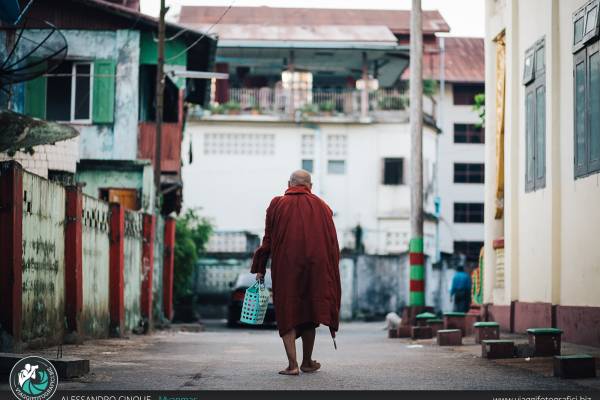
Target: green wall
149, 52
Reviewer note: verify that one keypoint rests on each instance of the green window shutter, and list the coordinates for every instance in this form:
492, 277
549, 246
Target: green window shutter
35, 97
104, 91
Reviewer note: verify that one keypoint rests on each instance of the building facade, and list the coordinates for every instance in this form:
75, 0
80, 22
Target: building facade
542, 259
105, 88
306, 90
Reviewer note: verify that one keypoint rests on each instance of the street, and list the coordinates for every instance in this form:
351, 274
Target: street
220, 358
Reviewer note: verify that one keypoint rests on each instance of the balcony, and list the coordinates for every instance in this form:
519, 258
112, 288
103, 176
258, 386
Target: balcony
316, 105
170, 145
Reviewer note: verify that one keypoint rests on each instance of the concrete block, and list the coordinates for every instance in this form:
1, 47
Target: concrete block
455, 320
575, 366
421, 332
66, 367
497, 349
545, 342
393, 333
449, 337
436, 325
404, 331
486, 331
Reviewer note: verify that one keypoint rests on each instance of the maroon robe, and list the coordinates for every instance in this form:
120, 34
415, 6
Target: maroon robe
301, 240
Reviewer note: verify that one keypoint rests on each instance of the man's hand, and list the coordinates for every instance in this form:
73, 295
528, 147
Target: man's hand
260, 276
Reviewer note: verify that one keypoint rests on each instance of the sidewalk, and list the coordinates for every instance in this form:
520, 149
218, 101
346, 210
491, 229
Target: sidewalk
539, 365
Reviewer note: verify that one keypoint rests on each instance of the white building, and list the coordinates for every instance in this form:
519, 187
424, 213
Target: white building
297, 98
542, 190
461, 144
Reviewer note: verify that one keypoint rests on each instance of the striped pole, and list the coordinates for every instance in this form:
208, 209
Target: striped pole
417, 272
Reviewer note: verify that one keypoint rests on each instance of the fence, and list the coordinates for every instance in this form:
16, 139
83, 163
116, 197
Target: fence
372, 285
71, 263
279, 101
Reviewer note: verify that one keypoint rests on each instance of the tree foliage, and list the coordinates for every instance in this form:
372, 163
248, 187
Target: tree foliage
479, 107
191, 236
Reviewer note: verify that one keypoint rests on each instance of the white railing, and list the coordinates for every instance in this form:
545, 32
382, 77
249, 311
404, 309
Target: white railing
315, 102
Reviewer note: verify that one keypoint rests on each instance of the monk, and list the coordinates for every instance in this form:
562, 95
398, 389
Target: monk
301, 240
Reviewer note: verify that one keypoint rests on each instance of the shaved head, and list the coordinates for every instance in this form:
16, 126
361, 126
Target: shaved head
300, 178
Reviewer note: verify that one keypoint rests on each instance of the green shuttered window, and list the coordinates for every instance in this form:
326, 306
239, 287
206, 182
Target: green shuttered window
35, 97
534, 79
104, 91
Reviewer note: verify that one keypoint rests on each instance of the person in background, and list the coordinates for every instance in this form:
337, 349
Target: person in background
301, 240
461, 290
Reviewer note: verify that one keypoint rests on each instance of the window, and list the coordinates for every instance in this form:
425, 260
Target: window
470, 250
534, 78
81, 92
393, 171
468, 212
468, 133
586, 86
468, 173
336, 167
68, 93
464, 95
308, 165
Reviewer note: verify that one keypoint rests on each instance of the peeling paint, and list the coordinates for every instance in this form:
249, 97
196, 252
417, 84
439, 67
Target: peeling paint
133, 269
95, 270
43, 259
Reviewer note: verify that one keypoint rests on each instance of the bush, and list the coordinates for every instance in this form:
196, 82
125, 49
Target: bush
232, 105
429, 87
191, 236
393, 103
309, 109
328, 106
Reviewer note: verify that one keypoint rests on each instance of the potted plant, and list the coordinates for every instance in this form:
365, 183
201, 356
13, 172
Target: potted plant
216, 108
389, 103
327, 107
233, 107
309, 109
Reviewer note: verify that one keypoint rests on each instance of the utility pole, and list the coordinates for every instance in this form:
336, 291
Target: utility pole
160, 90
417, 260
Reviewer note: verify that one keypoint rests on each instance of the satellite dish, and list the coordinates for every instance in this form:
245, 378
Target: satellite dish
30, 52
10, 11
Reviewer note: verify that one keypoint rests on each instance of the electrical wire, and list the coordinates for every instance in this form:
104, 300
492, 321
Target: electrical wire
202, 36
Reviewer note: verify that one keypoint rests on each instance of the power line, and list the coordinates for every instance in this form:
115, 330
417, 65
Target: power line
203, 34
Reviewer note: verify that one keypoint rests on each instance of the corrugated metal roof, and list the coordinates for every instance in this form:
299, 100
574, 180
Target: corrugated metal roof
398, 21
464, 61
330, 33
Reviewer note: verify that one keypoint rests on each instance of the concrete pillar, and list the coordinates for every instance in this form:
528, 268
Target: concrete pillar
364, 93
148, 230
11, 262
73, 258
168, 266
222, 85
117, 269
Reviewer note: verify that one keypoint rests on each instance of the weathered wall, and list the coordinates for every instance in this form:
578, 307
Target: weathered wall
95, 272
43, 259
133, 268
157, 277
139, 177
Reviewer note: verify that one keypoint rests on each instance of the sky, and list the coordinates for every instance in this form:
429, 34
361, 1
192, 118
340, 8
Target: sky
465, 17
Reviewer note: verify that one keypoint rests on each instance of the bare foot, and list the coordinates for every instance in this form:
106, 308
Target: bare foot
310, 366
290, 371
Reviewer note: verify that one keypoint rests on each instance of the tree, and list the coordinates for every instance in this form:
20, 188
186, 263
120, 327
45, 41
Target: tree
191, 236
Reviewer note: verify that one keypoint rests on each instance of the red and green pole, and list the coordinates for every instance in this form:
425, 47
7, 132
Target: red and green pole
417, 272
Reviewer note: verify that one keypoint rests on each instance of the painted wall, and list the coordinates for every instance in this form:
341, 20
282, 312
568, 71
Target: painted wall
43, 301
239, 167
95, 315
157, 284
550, 234
133, 268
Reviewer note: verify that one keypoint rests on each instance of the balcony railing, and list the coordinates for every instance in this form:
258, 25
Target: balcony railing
279, 102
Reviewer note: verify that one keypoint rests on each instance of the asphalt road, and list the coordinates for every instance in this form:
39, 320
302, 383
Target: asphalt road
221, 358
